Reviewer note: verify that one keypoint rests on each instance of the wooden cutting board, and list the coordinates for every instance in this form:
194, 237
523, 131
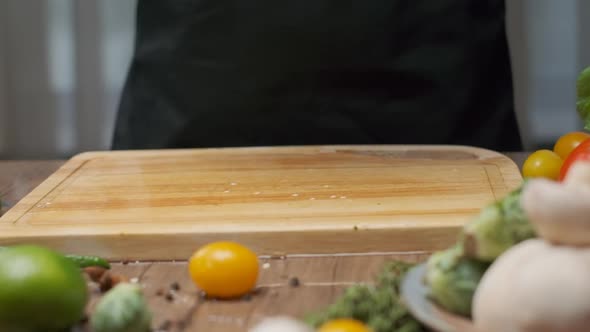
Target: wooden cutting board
162, 205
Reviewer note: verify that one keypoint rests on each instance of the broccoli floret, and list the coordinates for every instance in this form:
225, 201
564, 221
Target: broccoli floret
379, 306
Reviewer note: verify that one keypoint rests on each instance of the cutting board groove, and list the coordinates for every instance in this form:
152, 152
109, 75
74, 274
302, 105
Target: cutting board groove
163, 204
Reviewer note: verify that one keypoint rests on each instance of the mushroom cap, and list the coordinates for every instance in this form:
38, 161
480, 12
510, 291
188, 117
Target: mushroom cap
535, 287
578, 174
560, 212
281, 324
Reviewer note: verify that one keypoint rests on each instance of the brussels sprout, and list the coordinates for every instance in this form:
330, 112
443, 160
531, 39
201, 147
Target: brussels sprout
122, 309
452, 279
496, 228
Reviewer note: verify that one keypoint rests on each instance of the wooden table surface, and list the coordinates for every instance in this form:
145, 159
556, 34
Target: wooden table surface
321, 278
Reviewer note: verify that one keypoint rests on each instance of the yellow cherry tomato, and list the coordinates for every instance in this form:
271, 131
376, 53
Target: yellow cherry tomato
344, 325
568, 142
542, 163
224, 269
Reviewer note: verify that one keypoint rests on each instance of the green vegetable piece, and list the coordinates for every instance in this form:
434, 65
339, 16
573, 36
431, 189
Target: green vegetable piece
86, 261
40, 290
379, 306
583, 97
453, 278
122, 309
497, 228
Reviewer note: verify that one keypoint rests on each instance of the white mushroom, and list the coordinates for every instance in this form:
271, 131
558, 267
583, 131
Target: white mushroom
578, 174
560, 212
281, 324
535, 287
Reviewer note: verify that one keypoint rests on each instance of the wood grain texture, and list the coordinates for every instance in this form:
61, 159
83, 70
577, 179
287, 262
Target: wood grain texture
322, 277
161, 205
19, 177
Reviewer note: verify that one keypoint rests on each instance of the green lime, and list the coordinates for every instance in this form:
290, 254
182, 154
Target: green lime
40, 290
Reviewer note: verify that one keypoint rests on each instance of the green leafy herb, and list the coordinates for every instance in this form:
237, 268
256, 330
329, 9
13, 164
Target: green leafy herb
379, 305
583, 97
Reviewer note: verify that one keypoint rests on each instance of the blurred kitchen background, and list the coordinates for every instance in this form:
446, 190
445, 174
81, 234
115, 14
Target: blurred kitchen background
63, 64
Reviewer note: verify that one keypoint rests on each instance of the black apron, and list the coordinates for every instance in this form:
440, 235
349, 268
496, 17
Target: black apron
219, 73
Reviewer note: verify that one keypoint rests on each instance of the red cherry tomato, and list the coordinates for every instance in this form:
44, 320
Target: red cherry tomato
580, 153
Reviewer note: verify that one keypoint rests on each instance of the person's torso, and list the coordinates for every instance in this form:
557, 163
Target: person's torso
262, 72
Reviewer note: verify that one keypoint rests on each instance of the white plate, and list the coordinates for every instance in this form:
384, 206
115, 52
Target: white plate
415, 295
